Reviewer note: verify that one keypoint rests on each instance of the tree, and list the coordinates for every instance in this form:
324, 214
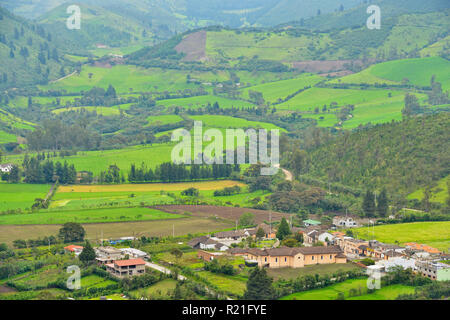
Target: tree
290, 242
14, 175
260, 233
111, 92
382, 203
412, 106
72, 232
283, 230
88, 254
177, 253
247, 219
368, 204
259, 286
426, 204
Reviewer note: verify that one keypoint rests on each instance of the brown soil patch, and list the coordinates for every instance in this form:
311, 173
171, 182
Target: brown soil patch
325, 66
227, 213
336, 74
9, 233
194, 46
5, 289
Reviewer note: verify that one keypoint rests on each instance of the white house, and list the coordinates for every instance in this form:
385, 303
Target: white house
344, 222
324, 236
394, 262
134, 253
206, 243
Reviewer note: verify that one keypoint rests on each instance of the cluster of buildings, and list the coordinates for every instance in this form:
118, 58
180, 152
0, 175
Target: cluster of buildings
423, 259
123, 262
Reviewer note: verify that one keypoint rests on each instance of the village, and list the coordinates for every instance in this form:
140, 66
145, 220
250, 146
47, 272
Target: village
322, 245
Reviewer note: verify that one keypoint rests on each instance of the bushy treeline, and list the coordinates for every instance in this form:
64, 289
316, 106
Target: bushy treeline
170, 172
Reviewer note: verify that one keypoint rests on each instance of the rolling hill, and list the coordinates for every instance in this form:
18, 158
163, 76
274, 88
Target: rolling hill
29, 53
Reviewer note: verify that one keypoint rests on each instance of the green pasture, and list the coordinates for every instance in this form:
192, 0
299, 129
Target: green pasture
435, 234
20, 196
203, 101
87, 216
439, 193
275, 91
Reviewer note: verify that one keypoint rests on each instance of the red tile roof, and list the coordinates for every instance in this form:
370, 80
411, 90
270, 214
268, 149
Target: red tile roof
130, 262
72, 247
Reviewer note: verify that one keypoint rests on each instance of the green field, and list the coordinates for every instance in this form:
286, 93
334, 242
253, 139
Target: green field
105, 111
20, 196
86, 216
97, 161
215, 121
107, 196
360, 285
274, 91
160, 288
321, 269
164, 119
439, 193
126, 77
94, 281
435, 234
318, 97
232, 284
203, 101
418, 71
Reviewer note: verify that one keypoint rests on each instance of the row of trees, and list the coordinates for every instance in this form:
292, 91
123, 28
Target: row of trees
375, 207
48, 172
170, 172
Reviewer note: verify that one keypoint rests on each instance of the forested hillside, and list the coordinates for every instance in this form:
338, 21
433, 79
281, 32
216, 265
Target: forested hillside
29, 54
402, 156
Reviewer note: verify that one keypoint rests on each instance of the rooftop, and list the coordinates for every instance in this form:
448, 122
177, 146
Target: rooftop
130, 262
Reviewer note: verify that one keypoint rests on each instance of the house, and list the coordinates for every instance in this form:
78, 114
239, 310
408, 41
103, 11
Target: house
208, 256
326, 238
237, 235
106, 255
434, 270
352, 246
310, 222
405, 263
422, 247
295, 257
311, 237
344, 222
269, 231
73, 249
134, 253
6, 168
126, 268
206, 243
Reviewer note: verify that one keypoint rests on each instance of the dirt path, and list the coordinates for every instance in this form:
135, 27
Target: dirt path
289, 176
69, 75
